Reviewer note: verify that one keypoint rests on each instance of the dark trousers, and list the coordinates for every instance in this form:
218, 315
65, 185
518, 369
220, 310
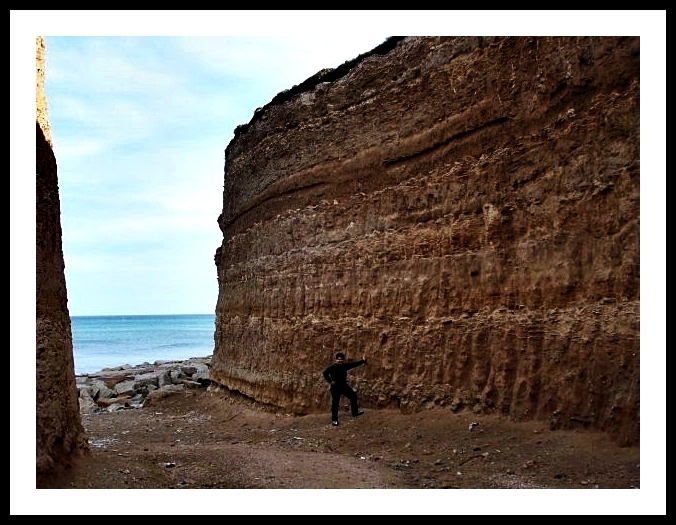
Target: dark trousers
343, 390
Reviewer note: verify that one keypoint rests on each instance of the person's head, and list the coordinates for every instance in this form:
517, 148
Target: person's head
340, 357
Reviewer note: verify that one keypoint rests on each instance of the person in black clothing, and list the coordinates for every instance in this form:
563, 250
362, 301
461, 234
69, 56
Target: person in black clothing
336, 375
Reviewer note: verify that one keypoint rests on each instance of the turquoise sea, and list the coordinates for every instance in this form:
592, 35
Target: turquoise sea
113, 340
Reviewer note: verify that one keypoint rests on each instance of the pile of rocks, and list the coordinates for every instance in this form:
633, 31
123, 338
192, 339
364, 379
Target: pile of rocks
129, 386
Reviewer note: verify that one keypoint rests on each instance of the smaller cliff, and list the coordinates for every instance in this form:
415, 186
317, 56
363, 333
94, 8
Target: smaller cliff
59, 431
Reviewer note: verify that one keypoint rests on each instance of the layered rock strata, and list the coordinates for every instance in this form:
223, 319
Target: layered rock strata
59, 431
462, 210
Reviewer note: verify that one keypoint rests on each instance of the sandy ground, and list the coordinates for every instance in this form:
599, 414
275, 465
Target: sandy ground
209, 438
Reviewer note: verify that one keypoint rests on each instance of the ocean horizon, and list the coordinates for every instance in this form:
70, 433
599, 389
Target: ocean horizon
108, 341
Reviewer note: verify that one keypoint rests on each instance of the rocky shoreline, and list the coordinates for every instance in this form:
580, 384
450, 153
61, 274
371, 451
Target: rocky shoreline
126, 387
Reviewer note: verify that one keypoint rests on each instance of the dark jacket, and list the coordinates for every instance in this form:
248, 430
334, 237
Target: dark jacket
338, 371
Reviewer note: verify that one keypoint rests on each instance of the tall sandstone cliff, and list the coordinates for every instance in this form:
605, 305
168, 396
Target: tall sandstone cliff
462, 210
59, 431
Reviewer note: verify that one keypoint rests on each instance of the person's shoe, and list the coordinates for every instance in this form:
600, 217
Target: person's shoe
335, 423
359, 413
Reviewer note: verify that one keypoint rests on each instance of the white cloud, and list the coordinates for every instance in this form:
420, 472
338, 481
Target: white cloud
72, 148
109, 65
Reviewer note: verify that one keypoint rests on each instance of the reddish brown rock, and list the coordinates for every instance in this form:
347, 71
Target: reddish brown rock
462, 210
59, 432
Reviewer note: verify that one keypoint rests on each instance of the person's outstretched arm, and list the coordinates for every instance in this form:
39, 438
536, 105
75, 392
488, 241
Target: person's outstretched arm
355, 364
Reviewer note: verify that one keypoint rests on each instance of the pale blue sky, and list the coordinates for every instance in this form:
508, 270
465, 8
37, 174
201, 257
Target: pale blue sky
140, 125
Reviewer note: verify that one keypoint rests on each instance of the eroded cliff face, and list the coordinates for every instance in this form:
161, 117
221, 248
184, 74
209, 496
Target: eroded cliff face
465, 212
59, 431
